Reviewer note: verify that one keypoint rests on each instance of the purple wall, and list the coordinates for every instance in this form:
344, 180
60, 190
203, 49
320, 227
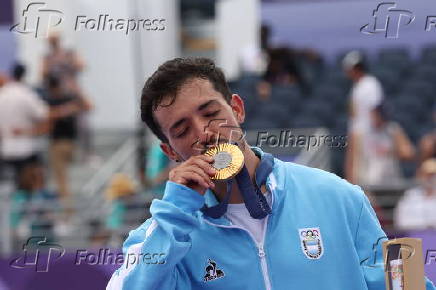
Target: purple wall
7, 48
6, 12
7, 38
62, 274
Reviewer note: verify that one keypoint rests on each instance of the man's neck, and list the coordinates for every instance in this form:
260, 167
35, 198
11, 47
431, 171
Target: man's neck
251, 161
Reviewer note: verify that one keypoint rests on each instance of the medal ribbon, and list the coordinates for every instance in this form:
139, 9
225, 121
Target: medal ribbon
254, 199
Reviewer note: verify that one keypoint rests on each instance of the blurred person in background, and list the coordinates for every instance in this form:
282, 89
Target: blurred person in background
121, 188
427, 144
33, 206
3, 79
66, 65
254, 59
64, 109
61, 63
366, 94
378, 152
281, 70
23, 116
416, 209
157, 169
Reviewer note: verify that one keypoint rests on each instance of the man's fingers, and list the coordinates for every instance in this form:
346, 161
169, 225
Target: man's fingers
206, 158
201, 172
197, 178
205, 166
195, 173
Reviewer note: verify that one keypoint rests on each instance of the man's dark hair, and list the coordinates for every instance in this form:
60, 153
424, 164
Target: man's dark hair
18, 71
169, 78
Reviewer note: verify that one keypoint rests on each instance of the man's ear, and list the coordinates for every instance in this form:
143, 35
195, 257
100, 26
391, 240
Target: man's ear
169, 152
237, 105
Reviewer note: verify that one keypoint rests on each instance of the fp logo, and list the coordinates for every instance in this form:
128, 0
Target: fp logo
32, 254
37, 20
387, 19
235, 136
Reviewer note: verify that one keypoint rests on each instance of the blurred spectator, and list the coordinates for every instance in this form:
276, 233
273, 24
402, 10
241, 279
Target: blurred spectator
416, 209
366, 94
3, 79
61, 63
157, 169
254, 59
64, 108
65, 65
427, 144
33, 207
22, 116
281, 70
121, 188
378, 152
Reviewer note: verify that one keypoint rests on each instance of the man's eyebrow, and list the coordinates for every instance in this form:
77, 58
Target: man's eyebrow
200, 108
205, 105
178, 123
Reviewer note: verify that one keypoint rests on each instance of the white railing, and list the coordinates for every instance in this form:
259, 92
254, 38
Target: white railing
6, 189
92, 190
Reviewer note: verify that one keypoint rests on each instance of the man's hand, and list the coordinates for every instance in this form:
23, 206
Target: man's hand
194, 173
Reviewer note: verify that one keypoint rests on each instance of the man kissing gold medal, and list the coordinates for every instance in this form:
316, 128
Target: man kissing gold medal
233, 216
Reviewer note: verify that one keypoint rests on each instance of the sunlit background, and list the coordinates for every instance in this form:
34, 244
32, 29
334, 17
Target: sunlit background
86, 177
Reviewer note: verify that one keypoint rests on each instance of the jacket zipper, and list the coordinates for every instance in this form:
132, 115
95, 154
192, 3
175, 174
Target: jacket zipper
259, 246
262, 256
260, 250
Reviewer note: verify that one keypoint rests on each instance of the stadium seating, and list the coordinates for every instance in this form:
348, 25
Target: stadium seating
409, 87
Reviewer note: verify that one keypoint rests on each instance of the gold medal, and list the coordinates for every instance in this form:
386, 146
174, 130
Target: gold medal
228, 160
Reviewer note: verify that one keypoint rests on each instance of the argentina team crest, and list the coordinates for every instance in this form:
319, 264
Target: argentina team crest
311, 242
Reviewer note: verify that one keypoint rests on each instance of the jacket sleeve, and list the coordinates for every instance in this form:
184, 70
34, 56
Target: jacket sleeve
369, 240
152, 251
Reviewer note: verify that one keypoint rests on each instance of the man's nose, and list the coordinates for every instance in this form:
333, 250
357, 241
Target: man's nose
205, 134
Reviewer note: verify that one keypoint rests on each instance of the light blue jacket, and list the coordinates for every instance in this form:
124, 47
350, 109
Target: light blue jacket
322, 234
